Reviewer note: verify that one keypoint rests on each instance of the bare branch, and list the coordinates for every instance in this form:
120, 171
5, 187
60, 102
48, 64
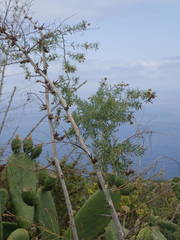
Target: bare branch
2, 72
55, 157
7, 110
39, 122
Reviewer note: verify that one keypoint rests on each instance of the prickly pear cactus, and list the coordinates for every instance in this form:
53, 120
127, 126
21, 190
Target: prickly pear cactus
94, 216
110, 232
44, 207
46, 215
21, 173
3, 199
30, 194
19, 234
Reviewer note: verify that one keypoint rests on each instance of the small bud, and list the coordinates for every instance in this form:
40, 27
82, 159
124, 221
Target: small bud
16, 144
28, 145
36, 151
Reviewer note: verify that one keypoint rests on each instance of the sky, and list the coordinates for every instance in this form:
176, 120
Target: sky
139, 43
138, 39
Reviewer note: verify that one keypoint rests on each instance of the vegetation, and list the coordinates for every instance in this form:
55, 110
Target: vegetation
61, 200
100, 118
148, 209
29, 196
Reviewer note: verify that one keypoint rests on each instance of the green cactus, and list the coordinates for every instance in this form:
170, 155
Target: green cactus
3, 199
47, 179
110, 232
30, 197
32, 202
19, 234
46, 215
21, 173
94, 216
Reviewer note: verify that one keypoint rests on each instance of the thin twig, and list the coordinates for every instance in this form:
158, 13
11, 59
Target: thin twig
3, 75
39, 122
7, 110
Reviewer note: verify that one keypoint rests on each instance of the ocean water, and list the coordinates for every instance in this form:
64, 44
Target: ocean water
161, 158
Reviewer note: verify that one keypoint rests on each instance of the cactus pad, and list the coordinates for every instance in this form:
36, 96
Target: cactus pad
19, 234
21, 173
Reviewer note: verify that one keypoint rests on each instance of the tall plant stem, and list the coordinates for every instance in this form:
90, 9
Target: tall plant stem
60, 173
56, 161
2, 72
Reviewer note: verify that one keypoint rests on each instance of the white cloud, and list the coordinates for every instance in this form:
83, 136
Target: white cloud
159, 74
151, 65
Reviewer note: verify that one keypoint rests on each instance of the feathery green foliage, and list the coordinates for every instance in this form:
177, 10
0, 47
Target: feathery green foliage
100, 117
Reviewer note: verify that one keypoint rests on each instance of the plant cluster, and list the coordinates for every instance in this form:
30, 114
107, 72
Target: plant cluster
31, 210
